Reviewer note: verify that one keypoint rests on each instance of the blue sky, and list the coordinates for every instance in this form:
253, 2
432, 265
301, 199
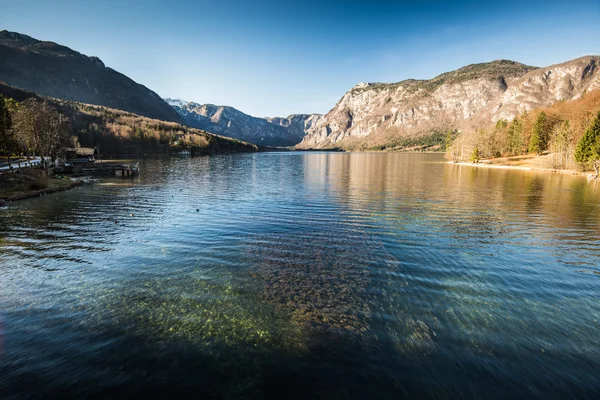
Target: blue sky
271, 58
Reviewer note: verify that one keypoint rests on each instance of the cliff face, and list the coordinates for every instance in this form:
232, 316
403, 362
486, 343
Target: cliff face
230, 122
376, 114
296, 124
57, 71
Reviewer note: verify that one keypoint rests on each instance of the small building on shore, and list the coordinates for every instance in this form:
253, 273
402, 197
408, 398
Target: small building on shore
80, 155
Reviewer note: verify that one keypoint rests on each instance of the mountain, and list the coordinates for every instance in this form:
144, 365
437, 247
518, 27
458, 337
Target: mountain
57, 71
120, 133
384, 115
228, 121
296, 124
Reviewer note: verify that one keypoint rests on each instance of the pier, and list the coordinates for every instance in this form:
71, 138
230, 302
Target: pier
106, 168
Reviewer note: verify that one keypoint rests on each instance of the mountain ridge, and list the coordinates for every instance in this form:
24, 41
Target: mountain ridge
368, 115
383, 114
231, 122
54, 70
121, 133
499, 67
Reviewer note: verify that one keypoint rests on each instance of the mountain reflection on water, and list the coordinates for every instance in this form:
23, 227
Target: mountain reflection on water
301, 275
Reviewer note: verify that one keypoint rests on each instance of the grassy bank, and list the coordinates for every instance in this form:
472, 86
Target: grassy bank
25, 183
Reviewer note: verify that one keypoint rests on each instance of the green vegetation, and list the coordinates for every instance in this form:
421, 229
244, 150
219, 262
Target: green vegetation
588, 147
475, 156
567, 130
498, 69
538, 143
438, 141
514, 140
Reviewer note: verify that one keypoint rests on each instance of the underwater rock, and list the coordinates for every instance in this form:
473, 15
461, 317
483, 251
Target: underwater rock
321, 279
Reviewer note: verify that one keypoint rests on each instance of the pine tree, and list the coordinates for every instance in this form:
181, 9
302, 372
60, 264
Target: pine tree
475, 156
514, 139
448, 140
588, 148
539, 136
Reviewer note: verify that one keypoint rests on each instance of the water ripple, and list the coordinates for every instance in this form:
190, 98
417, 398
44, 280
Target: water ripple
360, 275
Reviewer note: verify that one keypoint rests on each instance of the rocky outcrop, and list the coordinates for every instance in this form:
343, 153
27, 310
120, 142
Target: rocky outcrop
228, 121
297, 124
378, 114
57, 71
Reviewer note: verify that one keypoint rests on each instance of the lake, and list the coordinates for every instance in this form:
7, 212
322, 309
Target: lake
304, 275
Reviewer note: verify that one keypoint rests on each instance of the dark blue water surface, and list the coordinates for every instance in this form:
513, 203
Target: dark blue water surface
304, 275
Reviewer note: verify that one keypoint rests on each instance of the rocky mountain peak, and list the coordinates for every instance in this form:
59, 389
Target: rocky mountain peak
380, 114
231, 122
175, 102
362, 85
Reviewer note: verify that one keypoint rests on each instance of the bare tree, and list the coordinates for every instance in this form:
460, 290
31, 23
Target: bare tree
57, 134
561, 145
26, 123
42, 129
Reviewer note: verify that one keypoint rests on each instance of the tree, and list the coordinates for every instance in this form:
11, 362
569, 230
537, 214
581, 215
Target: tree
56, 135
455, 148
490, 141
514, 137
7, 139
448, 140
588, 148
475, 155
42, 129
539, 136
26, 123
561, 145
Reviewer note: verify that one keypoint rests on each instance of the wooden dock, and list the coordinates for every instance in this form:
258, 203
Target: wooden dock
107, 168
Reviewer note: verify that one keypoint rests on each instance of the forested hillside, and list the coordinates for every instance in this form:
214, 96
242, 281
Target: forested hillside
558, 130
32, 124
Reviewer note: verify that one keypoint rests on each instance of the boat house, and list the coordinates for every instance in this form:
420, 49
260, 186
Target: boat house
80, 155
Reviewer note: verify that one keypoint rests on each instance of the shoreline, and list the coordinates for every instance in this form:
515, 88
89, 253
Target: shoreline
41, 192
25, 183
589, 175
339, 150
